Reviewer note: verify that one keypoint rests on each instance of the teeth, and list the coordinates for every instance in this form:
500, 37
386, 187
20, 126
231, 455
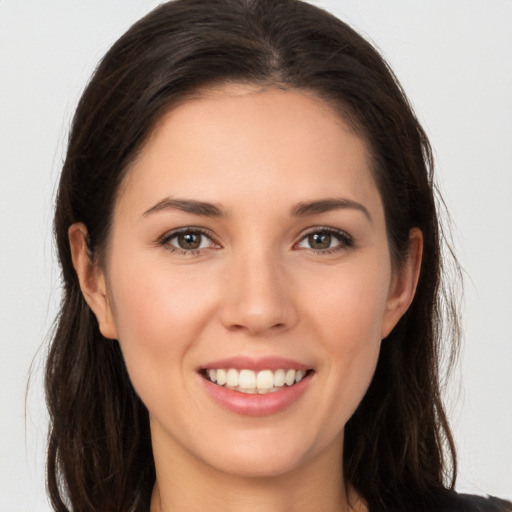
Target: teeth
290, 377
232, 378
248, 381
299, 375
221, 377
265, 379
279, 378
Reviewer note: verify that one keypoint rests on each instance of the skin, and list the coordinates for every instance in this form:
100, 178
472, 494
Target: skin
255, 287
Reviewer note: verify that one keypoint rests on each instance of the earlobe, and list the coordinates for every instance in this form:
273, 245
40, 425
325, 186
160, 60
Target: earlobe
92, 280
404, 282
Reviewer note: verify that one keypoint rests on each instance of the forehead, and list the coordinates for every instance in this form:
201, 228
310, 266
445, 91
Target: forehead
241, 141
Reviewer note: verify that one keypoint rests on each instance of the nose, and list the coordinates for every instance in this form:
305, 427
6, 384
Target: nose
258, 296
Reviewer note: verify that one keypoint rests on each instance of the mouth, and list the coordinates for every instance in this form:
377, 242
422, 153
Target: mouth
255, 382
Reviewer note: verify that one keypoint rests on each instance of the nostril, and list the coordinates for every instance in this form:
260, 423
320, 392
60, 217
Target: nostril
236, 327
254, 329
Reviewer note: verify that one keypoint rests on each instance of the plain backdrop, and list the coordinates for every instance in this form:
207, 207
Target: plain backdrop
454, 59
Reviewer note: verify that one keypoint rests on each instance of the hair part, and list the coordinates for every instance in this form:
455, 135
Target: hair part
398, 446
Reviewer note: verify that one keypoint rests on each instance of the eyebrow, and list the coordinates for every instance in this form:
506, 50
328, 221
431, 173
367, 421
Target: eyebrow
302, 209
188, 206
327, 205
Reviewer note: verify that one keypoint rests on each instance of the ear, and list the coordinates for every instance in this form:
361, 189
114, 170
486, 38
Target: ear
403, 283
92, 280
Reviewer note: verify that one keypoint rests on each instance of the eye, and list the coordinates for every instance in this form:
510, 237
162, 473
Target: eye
325, 240
187, 240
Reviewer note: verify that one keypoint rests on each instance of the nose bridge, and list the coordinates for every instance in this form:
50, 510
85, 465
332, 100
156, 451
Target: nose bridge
258, 295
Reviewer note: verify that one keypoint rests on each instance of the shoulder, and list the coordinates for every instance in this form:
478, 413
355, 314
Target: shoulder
471, 503
480, 504
453, 502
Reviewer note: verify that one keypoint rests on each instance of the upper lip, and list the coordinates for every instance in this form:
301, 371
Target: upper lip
255, 363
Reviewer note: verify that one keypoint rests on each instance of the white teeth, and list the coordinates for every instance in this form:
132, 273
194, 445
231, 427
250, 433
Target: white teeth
299, 375
279, 378
221, 377
232, 378
265, 379
290, 377
248, 381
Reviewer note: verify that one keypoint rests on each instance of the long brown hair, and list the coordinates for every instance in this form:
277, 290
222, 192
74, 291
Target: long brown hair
398, 446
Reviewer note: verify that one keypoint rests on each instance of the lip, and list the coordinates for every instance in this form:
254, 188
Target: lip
256, 405
255, 363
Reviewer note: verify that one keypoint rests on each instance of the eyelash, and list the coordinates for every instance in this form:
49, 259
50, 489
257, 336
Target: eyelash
165, 240
345, 240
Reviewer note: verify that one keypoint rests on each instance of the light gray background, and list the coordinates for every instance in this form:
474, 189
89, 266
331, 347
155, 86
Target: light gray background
454, 59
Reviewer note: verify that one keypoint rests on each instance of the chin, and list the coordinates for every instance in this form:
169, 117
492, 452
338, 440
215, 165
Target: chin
260, 465
270, 454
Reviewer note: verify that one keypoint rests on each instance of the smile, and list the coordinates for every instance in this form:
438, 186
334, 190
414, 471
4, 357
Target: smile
254, 382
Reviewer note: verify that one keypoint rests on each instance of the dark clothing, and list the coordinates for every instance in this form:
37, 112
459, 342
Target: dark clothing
453, 502
471, 503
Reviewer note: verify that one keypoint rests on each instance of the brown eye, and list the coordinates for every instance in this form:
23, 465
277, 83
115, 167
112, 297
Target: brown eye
326, 240
320, 240
189, 241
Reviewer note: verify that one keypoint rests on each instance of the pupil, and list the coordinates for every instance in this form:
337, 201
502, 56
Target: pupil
189, 240
319, 240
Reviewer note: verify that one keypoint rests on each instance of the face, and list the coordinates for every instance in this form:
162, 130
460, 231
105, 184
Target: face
248, 280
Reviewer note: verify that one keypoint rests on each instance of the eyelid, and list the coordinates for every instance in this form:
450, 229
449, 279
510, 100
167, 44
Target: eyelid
345, 240
169, 235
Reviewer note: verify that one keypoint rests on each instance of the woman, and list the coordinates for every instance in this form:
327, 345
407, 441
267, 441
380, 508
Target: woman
251, 257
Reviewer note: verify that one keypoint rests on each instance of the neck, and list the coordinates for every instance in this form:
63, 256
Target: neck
192, 486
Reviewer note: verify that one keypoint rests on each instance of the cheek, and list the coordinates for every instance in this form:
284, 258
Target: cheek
350, 307
153, 305
348, 314
158, 315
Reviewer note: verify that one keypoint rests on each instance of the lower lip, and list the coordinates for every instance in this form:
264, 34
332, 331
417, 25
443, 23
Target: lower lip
254, 404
